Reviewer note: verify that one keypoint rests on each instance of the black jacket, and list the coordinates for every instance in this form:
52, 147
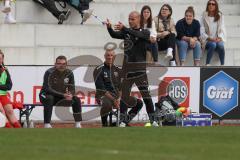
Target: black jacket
8, 85
135, 46
183, 29
56, 83
107, 79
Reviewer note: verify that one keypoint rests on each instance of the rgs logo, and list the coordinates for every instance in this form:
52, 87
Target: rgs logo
177, 88
221, 93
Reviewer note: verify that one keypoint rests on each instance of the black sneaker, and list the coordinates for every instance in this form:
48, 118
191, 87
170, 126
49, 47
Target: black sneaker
63, 16
114, 124
67, 13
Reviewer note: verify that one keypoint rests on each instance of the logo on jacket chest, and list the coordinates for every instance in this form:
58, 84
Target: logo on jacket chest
66, 80
105, 74
115, 74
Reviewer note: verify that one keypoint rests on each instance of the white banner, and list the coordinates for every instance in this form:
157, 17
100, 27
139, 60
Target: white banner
182, 84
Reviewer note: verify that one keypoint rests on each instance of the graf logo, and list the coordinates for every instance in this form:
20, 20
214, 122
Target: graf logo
178, 90
221, 93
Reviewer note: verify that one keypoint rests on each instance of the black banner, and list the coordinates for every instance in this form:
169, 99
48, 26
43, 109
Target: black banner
219, 92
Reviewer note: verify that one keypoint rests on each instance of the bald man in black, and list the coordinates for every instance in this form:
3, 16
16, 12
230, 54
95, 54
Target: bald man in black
134, 64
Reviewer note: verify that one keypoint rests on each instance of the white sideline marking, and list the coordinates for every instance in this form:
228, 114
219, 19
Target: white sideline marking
110, 151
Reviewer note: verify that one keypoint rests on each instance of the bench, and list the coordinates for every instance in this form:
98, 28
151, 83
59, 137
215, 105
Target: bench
25, 110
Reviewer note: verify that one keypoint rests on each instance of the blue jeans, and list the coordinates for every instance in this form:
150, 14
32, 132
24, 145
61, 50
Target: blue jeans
183, 47
215, 46
153, 48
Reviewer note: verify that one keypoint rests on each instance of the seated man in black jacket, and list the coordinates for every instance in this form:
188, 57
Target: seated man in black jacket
59, 89
107, 81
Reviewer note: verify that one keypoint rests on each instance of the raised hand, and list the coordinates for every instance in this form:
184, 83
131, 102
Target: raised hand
108, 23
118, 26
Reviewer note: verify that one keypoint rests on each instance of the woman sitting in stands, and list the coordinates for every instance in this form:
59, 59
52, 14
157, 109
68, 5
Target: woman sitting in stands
5, 104
188, 33
213, 33
7, 10
147, 22
166, 32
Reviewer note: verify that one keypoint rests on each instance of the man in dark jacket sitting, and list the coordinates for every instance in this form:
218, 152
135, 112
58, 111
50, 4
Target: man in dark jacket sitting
59, 90
107, 78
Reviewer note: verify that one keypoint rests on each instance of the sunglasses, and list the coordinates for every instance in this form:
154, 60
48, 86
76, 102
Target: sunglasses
165, 9
212, 4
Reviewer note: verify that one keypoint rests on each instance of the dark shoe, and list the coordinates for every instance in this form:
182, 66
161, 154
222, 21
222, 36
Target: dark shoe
87, 14
67, 13
114, 124
63, 16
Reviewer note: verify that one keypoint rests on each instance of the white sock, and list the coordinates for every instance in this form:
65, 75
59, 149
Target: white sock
47, 125
169, 51
78, 124
7, 3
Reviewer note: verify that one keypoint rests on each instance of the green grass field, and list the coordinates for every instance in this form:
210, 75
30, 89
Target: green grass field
134, 143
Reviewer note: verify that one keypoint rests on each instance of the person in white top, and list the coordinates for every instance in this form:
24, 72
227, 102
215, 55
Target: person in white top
7, 10
166, 32
146, 22
213, 33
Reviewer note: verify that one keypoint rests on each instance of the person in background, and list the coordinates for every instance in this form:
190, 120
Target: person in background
107, 79
188, 33
166, 32
8, 12
6, 107
81, 5
147, 22
51, 7
59, 89
213, 32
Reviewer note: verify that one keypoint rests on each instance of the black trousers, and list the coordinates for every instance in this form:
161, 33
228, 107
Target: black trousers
108, 105
141, 82
135, 108
49, 101
50, 6
167, 42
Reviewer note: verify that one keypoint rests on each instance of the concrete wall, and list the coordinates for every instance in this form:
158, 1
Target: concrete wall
37, 39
